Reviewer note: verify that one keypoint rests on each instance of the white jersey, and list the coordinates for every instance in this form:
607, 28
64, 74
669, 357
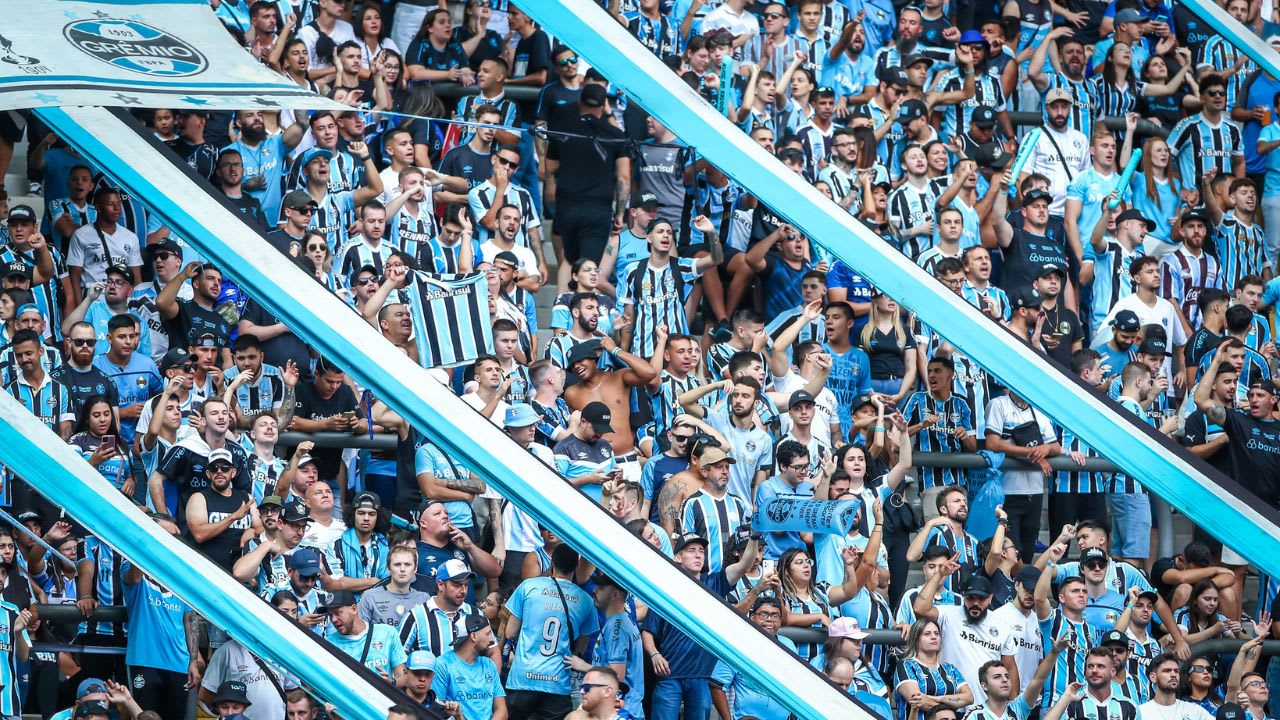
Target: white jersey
968, 646
1179, 710
1023, 642
824, 405
1062, 168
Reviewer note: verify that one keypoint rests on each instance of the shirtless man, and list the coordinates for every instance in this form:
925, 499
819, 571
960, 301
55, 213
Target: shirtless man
613, 388
685, 483
392, 319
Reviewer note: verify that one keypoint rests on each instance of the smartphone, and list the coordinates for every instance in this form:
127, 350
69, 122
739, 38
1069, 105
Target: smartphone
108, 443
349, 415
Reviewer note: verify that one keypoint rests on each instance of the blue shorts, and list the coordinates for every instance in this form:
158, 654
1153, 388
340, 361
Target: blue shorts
1130, 525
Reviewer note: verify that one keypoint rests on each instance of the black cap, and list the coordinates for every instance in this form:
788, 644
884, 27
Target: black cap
165, 245
977, 586
470, 623
1025, 297
1036, 194
1050, 268
506, 256
1115, 637
984, 116
791, 154
593, 96
1135, 214
991, 155
1230, 711
1093, 553
1126, 321
644, 199
894, 75
1264, 385
909, 60
17, 268
911, 110
365, 501
687, 539
800, 396
233, 691
598, 416
295, 512
22, 213
858, 402
1154, 346
1197, 213
859, 110
582, 351
30, 515
337, 599
93, 708
173, 358
1028, 576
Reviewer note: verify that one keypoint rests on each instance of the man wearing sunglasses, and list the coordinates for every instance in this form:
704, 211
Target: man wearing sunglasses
298, 209
1209, 141
78, 374
105, 300
600, 691
661, 468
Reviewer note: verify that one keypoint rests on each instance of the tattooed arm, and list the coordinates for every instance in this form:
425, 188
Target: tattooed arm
670, 502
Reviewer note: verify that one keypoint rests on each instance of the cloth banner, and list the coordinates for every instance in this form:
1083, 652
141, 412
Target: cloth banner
451, 321
821, 516
140, 53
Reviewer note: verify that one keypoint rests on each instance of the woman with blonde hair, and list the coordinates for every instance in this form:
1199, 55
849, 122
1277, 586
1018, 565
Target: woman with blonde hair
890, 348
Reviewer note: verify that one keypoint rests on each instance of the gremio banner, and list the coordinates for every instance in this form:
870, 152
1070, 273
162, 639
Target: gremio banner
142, 53
819, 516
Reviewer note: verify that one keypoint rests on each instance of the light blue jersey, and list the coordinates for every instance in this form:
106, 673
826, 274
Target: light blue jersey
155, 615
546, 634
748, 700
619, 644
380, 652
472, 685
1090, 188
430, 459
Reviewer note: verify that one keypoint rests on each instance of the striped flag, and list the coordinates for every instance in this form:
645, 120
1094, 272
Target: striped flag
451, 322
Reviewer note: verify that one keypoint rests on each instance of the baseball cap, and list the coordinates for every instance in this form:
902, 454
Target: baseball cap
1196, 213
593, 96
977, 586
686, 539
1264, 385
453, 570
1025, 297
800, 396
305, 459
1154, 346
644, 199
1057, 95
971, 37
859, 401
984, 116
1115, 637
1230, 711
337, 599
1129, 15
220, 456
25, 308
365, 501
17, 268
295, 512
992, 155
22, 213
1036, 194
233, 691
475, 622
1135, 214
1091, 554
909, 60
1126, 321
713, 455
305, 560
314, 152
1150, 595
421, 660
1051, 268
846, 627
507, 257
93, 708
894, 75
911, 110
120, 270
790, 154
1273, 40
165, 245
298, 199
174, 357
584, 350
271, 501
90, 686
1028, 576
598, 415
30, 515
520, 415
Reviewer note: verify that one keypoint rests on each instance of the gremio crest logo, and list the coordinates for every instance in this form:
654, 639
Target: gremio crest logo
135, 46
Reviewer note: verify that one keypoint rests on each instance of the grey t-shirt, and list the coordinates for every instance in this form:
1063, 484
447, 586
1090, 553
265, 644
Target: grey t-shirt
232, 661
381, 606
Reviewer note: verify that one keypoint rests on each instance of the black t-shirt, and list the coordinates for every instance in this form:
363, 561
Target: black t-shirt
1028, 253
222, 549
887, 354
184, 465
251, 209
84, 385
532, 54
490, 48
284, 242
313, 407
282, 348
1063, 321
464, 162
763, 223
1197, 430
193, 321
558, 106
586, 170
1203, 341
1255, 453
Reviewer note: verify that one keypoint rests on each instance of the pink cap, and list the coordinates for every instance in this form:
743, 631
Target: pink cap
846, 627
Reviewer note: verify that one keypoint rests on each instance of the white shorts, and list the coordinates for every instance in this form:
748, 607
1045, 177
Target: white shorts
1231, 557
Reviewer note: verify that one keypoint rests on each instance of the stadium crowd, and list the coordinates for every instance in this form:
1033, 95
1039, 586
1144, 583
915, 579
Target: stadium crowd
704, 359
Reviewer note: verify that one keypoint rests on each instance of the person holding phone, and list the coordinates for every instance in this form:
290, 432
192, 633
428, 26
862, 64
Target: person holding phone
97, 438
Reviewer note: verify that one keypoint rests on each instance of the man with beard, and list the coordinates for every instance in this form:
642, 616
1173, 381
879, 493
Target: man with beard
1126, 331
263, 157
1066, 74
228, 174
78, 374
971, 636
1188, 271
712, 513
1061, 153
381, 651
750, 444
186, 461
584, 311
1023, 645
906, 42
1100, 699
1165, 676
218, 516
612, 388
1209, 140
973, 55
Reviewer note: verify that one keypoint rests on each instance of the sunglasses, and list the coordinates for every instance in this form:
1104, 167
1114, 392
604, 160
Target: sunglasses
1198, 669
774, 15
677, 438
1095, 565
565, 63
164, 255
508, 163
78, 342
588, 687
188, 367
1216, 93
220, 468
305, 210
367, 281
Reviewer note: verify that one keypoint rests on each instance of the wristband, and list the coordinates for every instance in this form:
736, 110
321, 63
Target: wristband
879, 428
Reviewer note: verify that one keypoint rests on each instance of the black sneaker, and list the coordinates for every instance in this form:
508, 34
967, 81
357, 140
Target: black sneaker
721, 332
